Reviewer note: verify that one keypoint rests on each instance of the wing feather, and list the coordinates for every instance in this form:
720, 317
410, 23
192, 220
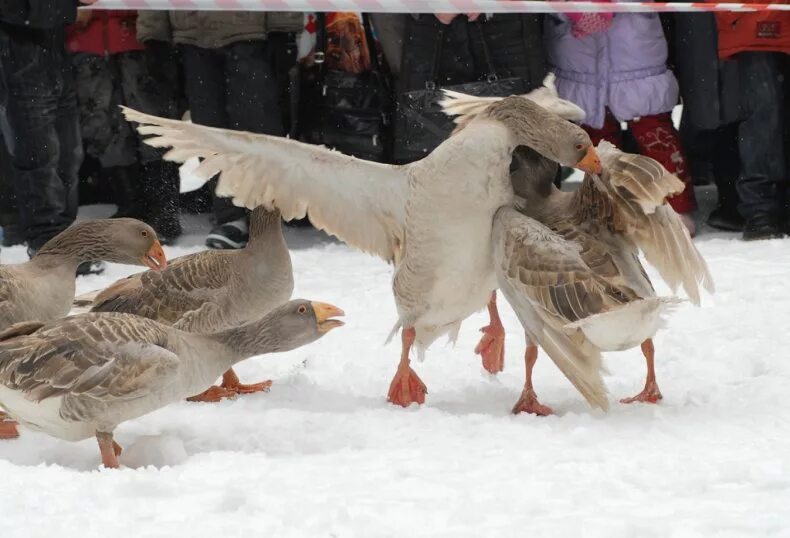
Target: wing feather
549, 285
361, 202
638, 188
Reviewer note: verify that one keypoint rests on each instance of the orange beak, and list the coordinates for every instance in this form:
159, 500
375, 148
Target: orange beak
323, 313
155, 257
590, 163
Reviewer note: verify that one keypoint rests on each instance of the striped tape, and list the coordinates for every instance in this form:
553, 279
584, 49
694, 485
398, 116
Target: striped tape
435, 6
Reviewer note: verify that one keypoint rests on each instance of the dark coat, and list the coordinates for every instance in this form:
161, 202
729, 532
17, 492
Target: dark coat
38, 14
708, 85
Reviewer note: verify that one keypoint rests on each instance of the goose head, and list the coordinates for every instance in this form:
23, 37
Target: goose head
569, 145
132, 242
289, 326
122, 240
548, 134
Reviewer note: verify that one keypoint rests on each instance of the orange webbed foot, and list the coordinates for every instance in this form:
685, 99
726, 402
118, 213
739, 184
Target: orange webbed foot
240, 388
492, 348
8, 427
528, 403
406, 388
213, 395
650, 394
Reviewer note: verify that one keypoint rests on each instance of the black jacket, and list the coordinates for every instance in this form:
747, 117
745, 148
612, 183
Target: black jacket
709, 86
37, 14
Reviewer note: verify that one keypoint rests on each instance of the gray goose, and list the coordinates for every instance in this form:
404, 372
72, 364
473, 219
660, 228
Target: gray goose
568, 264
84, 375
431, 219
42, 289
212, 290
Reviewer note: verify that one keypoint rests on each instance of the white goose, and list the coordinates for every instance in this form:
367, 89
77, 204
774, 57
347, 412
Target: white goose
431, 219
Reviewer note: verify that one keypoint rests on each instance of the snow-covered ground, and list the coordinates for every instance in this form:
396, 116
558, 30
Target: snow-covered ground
324, 455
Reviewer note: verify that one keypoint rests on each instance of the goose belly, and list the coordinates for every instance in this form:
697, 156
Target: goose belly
44, 416
455, 280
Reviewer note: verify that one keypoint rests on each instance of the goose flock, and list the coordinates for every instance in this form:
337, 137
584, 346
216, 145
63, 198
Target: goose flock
477, 215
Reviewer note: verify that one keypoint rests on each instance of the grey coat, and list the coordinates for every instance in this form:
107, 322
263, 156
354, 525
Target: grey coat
214, 29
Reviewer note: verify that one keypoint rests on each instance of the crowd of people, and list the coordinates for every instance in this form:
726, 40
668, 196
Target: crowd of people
64, 73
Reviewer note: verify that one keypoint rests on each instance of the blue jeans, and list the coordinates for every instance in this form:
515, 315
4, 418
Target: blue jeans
761, 147
43, 130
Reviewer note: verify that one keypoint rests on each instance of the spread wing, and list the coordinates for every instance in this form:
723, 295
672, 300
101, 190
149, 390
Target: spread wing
467, 107
638, 187
549, 285
361, 202
166, 296
89, 360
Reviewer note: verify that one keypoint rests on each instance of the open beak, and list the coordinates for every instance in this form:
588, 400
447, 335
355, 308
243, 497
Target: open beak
155, 257
323, 314
590, 163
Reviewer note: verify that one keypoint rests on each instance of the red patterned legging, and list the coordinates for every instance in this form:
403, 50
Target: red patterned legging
656, 137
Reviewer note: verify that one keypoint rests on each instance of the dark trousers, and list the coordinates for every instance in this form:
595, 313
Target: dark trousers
762, 180
43, 123
716, 151
233, 87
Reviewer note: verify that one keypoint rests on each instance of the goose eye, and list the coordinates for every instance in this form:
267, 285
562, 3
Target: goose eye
145, 233
579, 146
302, 309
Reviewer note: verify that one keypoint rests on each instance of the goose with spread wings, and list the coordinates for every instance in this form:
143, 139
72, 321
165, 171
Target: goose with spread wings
568, 264
431, 219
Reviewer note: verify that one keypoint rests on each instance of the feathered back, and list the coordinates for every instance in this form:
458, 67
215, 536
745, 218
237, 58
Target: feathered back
639, 187
467, 107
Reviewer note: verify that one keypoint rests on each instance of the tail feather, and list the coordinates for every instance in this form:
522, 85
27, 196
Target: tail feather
580, 363
626, 326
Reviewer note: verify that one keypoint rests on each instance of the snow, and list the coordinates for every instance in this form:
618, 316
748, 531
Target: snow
323, 454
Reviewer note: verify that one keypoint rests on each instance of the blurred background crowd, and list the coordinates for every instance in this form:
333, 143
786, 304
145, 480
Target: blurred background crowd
368, 85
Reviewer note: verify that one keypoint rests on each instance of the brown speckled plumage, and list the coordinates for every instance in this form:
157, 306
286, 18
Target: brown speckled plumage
214, 289
43, 288
82, 375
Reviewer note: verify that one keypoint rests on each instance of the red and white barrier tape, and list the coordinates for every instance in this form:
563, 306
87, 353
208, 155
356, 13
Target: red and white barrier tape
435, 6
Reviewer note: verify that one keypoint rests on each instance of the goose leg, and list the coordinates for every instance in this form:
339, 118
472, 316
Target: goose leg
230, 381
110, 450
406, 387
650, 394
7, 427
528, 402
492, 345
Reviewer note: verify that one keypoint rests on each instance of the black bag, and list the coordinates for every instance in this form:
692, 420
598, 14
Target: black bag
349, 112
421, 124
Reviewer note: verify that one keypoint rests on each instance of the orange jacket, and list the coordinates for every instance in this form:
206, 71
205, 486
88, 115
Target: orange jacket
758, 31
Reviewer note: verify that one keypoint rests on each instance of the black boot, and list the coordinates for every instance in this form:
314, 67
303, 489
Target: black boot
160, 194
725, 218
126, 188
761, 226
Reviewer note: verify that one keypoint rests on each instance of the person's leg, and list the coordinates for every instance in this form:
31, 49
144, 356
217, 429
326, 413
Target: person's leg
205, 84
726, 169
149, 85
761, 144
610, 131
252, 104
34, 79
70, 156
657, 138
